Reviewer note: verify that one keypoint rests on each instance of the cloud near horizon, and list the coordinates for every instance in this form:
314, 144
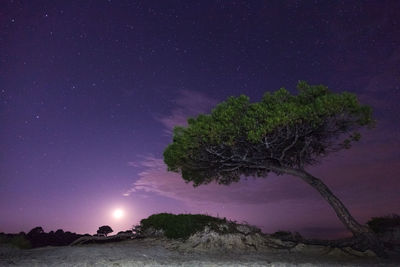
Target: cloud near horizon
156, 179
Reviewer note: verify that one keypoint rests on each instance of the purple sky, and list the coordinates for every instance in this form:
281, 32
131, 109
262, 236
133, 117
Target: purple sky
90, 91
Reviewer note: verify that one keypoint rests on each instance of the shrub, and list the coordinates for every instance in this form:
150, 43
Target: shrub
280, 234
183, 225
19, 241
287, 236
380, 224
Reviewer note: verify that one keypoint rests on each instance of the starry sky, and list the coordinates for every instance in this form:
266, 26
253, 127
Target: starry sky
90, 91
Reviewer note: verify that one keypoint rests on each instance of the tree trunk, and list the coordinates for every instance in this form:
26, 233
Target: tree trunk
364, 237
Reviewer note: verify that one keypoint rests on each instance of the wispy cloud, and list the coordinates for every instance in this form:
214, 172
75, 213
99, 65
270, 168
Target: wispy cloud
187, 104
338, 172
156, 179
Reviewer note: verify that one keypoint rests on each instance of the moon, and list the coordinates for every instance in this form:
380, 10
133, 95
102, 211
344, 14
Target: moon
118, 214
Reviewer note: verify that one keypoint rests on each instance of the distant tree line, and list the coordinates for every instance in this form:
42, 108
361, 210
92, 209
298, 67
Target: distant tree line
38, 238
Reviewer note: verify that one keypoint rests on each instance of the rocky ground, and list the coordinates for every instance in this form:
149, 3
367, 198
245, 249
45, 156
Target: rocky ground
204, 249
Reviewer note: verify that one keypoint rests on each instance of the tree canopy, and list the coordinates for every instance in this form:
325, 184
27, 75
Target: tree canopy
36, 231
282, 130
105, 229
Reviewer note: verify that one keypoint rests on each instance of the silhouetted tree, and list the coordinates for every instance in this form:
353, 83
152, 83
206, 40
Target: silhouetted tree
36, 231
59, 232
282, 134
37, 237
105, 229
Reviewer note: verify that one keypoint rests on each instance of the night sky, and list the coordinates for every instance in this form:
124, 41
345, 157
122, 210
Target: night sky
90, 91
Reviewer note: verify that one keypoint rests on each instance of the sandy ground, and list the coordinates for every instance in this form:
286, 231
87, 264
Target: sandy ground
146, 252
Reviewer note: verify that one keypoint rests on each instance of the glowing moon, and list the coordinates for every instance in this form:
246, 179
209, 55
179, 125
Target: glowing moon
118, 214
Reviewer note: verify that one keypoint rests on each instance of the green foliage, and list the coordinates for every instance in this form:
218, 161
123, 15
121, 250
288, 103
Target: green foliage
237, 121
182, 226
380, 224
18, 241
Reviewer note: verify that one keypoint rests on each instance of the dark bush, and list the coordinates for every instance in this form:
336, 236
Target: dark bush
280, 234
287, 236
18, 240
59, 232
182, 225
125, 232
381, 224
38, 238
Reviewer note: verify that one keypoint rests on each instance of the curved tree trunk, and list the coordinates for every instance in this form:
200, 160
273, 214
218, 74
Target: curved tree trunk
365, 238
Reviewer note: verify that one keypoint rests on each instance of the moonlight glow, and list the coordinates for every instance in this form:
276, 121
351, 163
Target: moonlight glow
118, 214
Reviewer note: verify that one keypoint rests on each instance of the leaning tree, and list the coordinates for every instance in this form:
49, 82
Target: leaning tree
282, 134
